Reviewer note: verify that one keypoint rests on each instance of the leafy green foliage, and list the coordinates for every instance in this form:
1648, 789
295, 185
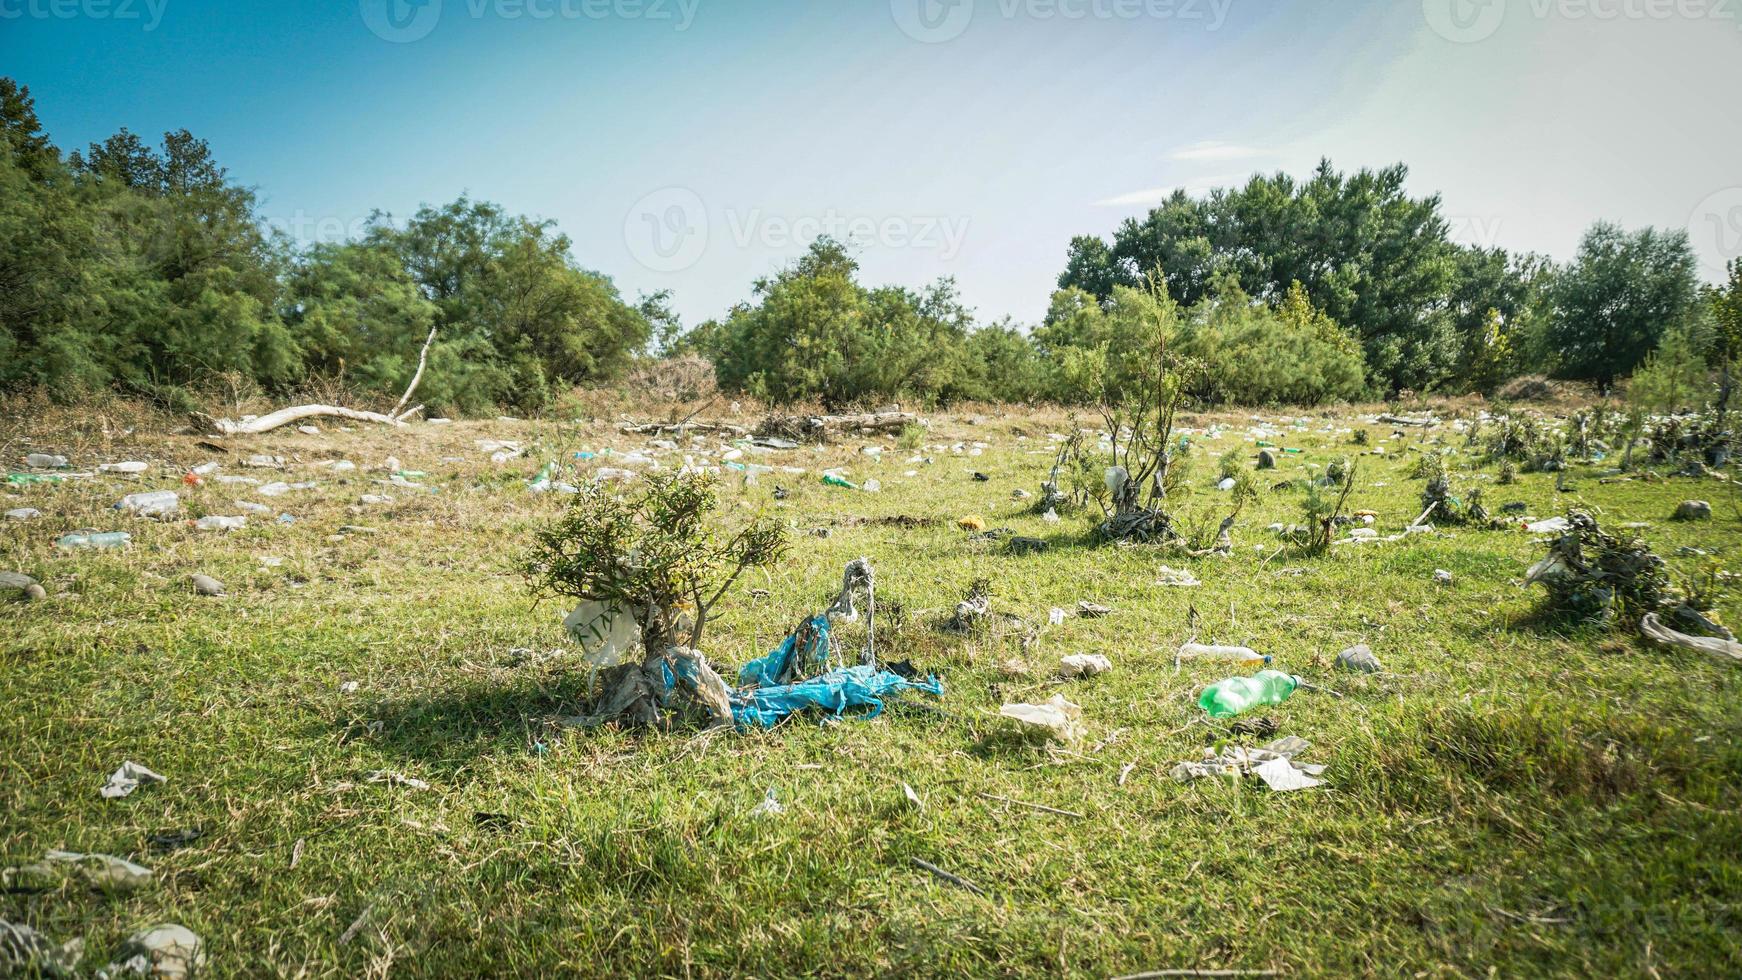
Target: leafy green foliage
1613, 304
653, 551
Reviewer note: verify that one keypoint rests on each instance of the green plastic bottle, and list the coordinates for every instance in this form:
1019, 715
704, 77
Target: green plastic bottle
1236, 695
835, 481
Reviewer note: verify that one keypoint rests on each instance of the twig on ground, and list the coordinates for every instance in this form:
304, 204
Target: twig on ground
956, 880
1032, 806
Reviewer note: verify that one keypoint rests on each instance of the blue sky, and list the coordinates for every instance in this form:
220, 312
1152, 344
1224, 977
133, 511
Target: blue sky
695, 145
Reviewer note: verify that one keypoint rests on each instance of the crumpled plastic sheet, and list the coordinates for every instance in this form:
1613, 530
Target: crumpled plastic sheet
833, 693
131, 775
1273, 763
781, 664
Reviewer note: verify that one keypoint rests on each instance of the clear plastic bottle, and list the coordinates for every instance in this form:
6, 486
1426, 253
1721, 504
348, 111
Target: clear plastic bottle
155, 503
1243, 658
1240, 694
95, 539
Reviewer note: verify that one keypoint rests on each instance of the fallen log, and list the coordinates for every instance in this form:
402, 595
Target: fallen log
1389, 419
285, 416
817, 428
629, 427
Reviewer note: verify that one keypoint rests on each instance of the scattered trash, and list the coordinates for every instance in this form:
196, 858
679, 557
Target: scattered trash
130, 467
175, 840
395, 779
1176, 578
1242, 656
981, 477
912, 797
1442, 577
162, 952
769, 807
23, 514
131, 775
103, 871
1055, 616
972, 522
263, 462
1274, 763
45, 461
1057, 718
215, 522
348, 687
92, 539
24, 952
1051, 516
1693, 510
1084, 665
375, 499
1266, 459
206, 585
1553, 525
1025, 546
1359, 658
1235, 695
604, 631
830, 479
29, 589
1723, 648
1090, 610
156, 504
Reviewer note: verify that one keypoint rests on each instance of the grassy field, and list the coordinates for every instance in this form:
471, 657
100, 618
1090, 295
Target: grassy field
1512, 797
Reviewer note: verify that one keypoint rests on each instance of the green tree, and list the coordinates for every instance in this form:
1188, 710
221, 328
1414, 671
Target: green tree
1613, 304
1725, 306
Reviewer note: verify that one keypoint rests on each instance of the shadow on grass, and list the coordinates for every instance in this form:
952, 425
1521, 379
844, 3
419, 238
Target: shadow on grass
450, 728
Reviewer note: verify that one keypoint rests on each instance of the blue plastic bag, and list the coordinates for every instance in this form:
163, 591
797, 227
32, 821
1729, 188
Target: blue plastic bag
833, 692
779, 665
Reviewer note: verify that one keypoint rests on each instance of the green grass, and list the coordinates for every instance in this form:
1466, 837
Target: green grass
1513, 797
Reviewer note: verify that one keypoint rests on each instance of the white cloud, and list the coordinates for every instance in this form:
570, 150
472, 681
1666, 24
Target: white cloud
1197, 186
1215, 150
1155, 195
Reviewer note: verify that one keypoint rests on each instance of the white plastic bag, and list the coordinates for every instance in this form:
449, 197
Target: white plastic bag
606, 633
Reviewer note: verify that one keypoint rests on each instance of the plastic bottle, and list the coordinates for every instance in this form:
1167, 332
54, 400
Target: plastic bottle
1239, 694
217, 522
44, 461
93, 539
154, 503
832, 480
1243, 658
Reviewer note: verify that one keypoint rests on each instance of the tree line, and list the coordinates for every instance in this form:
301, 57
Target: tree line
145, 268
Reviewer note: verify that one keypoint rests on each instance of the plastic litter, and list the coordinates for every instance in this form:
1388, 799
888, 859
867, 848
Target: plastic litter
1176, 578
206, 585
93, 539
26, 586
395, 779
157, 504
103, 871
830, 479
131, 776
1242, 656
804, 650
605, 632
1274, 763
1056, 718
1442, 577
1235, 695
1084, 665
24, 952
1553, 525
1723, 648
1359, 658
23, 514
45, 461
163, 952
833, 693
129, 467
215, 522
1693, 510
769, 807
1091, 610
